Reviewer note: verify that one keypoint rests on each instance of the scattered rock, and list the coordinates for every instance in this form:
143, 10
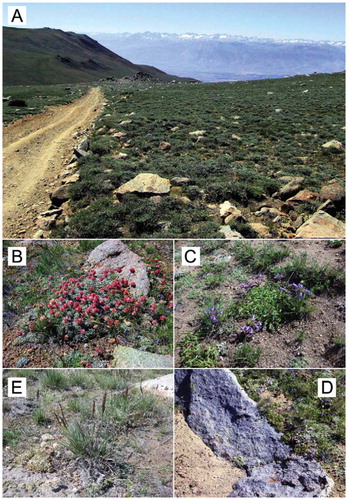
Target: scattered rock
60, 195
22, 362
229, 234
164, 146
119, 135
164, 384
49, 213
304, 196
126, 122
84, 144
291, 188
79, 153
334, 192
226, 208
120, 156
38, 235
270, 211
145, 183
72, 178
47, 437
333, 146
261, 230
180, 181
114, 254
197, 133
321, 225
127, 357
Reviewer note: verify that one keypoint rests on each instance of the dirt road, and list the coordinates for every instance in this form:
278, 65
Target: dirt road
35, 150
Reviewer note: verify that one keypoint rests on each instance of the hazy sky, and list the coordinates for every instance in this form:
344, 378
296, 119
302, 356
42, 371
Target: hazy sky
315, 21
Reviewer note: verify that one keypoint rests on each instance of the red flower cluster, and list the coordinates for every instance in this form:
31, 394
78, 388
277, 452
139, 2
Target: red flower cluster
93, 304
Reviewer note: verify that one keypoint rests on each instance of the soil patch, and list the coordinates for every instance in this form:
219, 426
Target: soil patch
198, 471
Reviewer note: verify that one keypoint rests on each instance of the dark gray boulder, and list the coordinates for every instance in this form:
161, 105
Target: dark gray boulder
297, 477
226, 419
220, 412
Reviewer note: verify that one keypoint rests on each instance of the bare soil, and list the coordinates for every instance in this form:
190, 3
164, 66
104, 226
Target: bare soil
281, 349
198, 471
34, 151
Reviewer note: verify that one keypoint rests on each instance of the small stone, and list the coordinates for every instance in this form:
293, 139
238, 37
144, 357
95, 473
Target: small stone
80, 153
38, 235
47, 437
291, 188
22, 362
197, 133
120, 156
333, 146
261, 230
60, 195
304, 196
164, 146
179, 181
229, 234
84, 144
73, 178
334, 192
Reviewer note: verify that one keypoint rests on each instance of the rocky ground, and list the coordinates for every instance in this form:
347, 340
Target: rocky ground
41, 461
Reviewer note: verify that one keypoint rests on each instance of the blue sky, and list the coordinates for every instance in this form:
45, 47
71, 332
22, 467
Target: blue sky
315, 21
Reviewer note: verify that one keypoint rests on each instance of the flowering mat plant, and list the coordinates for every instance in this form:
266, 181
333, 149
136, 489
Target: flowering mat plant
81, 316
276, 304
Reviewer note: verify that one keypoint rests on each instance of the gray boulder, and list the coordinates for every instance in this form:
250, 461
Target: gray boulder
296, 478
226, 419
127, 357
220, 412
114, 254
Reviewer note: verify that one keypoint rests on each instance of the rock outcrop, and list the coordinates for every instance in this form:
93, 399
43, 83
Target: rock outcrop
226, 419
114, 254
297, 477
220, 412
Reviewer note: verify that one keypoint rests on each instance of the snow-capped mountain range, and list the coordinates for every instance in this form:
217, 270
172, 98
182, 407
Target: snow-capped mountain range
226, 57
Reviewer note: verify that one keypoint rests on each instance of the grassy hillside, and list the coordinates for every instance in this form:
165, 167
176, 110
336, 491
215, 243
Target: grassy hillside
238, 141
50, 56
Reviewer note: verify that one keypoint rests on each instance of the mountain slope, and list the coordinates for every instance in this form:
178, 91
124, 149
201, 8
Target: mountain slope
47, 56
225, 57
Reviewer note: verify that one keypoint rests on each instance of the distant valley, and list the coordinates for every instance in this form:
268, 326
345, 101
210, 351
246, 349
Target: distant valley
224, 57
